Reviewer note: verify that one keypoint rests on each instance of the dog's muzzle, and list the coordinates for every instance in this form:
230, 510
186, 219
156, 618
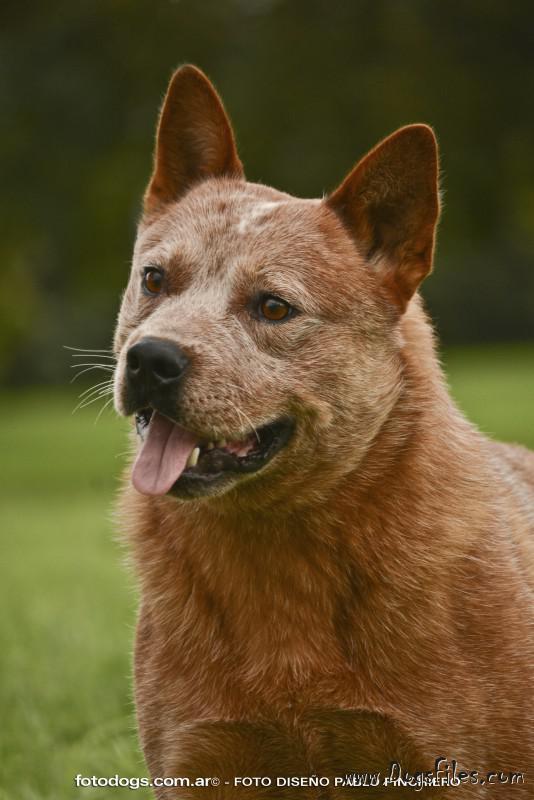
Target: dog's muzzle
172, 458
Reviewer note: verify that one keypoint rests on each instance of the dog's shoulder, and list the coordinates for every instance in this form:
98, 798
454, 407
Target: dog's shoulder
515, 466
517, 462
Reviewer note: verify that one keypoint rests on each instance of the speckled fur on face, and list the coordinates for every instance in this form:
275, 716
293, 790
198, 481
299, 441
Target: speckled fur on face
367, 596
225, 242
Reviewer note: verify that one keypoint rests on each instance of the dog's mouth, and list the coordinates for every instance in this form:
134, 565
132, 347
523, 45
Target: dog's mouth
173, 459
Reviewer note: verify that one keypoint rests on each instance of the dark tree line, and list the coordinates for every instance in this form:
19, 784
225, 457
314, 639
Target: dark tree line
310, 86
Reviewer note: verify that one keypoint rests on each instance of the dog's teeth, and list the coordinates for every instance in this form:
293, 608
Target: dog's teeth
210, 446
193, 458
221, 443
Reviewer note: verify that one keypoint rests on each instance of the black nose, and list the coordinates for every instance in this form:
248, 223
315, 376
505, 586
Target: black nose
155, 364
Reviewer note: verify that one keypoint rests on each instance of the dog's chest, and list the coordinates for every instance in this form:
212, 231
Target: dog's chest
229, 645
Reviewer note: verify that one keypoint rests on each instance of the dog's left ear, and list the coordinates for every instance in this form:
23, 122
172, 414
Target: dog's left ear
194, 139
390, 205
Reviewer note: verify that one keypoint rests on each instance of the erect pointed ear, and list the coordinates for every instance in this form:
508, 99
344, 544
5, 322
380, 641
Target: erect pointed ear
194, 139
390, 205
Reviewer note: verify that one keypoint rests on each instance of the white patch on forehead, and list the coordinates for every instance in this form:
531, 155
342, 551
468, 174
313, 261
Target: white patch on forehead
255, 216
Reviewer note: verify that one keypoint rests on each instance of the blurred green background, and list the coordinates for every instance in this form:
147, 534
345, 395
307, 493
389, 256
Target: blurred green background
310, 87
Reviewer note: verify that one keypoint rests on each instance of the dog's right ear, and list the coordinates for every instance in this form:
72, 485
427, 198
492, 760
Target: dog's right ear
194, 139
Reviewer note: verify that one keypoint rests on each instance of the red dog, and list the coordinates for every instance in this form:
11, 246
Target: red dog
336, 567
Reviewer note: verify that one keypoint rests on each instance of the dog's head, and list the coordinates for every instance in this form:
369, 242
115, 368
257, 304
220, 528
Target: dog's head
258, 339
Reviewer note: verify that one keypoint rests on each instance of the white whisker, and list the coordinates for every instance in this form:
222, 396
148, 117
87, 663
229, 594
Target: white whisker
243, 391
91, 355
98, 393
87, 401
246, 418
90, 364
106, 404
87, 350
98, 387
94, 366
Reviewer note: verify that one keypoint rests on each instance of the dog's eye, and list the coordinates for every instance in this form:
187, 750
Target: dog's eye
152, 282
273, 309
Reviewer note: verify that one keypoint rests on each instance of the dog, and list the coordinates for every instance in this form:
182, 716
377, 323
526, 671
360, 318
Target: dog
336, 568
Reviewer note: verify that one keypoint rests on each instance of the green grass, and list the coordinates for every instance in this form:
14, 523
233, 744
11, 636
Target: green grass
494, 386
68, 604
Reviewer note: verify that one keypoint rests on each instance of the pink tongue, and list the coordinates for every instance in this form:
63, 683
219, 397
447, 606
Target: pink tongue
162, 457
